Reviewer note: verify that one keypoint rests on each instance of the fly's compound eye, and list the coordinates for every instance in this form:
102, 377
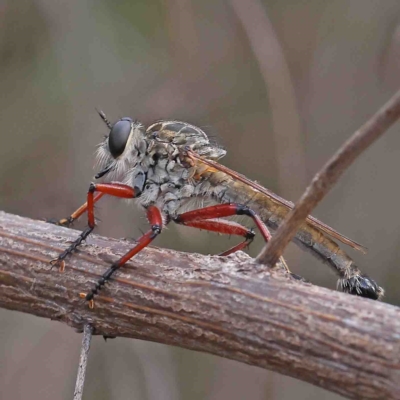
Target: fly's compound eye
119, 136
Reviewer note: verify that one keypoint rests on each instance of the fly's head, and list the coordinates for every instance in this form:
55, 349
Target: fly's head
122, 149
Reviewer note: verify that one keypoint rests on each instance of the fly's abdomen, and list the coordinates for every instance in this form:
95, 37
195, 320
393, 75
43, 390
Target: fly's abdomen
308, 237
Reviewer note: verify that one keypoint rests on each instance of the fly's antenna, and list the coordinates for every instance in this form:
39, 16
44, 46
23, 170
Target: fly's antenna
104, 118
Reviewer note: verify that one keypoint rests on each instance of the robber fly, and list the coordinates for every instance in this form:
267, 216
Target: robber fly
171, 167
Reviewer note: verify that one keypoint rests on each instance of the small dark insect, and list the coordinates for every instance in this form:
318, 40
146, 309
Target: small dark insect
169, 168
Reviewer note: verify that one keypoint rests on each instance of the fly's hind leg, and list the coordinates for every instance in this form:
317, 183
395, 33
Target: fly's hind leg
204, 218
95, 192
222, 227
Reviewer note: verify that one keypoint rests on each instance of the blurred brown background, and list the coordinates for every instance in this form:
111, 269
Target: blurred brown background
280, 83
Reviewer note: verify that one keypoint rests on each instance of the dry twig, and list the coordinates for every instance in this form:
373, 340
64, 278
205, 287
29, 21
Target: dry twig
83, 360
229, 306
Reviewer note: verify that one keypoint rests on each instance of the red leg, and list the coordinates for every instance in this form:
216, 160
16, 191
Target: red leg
234, 249
200, 219
96, 191
225, 227
221, 211
155, 219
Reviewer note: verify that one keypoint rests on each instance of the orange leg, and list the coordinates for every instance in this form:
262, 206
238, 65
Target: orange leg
95, 192
77, 213
96, 197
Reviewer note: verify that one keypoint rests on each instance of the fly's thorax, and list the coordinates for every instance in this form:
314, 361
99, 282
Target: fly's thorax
169, 181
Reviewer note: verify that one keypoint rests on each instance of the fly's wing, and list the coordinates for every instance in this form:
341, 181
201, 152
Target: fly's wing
282, 202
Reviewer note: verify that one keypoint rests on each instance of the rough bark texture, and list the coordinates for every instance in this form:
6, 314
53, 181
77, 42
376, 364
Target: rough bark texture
230, 307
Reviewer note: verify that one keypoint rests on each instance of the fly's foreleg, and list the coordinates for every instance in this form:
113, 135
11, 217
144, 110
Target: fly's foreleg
155, 219
77, 213
95, 192
203, 219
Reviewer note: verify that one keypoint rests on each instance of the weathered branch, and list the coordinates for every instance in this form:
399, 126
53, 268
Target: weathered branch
327, 177
229, 306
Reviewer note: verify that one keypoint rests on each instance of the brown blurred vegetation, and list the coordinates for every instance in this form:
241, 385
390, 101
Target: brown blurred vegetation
281, 102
